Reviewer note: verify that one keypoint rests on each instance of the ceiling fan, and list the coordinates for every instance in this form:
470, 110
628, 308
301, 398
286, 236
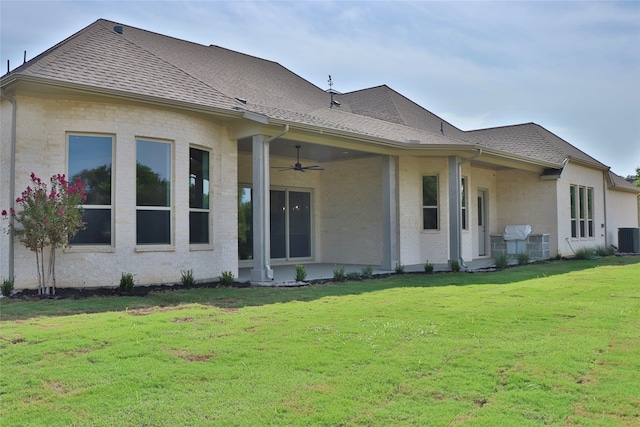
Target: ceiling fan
298, 166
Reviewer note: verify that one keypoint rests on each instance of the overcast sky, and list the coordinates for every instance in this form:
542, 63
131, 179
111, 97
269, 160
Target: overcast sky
572, 67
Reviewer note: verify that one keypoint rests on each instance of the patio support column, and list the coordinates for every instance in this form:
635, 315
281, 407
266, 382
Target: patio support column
455, 205
390, 238
262, 271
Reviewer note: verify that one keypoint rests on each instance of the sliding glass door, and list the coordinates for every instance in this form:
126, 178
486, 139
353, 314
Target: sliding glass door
290, 228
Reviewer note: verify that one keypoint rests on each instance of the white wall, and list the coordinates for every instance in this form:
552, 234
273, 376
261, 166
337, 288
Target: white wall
575, 174
418, 245
524, 199
479, 179
41, 135
622, 212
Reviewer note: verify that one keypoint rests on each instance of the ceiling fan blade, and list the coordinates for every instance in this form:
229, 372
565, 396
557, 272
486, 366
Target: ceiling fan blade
313, 168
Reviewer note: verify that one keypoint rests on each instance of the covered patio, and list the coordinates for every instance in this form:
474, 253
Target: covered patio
284, 275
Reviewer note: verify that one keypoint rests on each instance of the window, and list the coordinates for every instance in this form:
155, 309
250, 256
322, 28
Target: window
581, 206
463, 202
290, 223
245, 223
153, 192
198, 196
430, 202
90, 159
590, 212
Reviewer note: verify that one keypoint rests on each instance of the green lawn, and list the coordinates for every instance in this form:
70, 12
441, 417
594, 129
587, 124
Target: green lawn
545, 344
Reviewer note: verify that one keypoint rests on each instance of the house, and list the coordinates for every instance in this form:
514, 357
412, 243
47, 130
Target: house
198, 157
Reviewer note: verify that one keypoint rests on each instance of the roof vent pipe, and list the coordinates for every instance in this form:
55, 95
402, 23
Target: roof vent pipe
118, 29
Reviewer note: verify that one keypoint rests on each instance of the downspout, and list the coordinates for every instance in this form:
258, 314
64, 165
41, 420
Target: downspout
286, 130
267, 141
460, 163
12, 178
604, 195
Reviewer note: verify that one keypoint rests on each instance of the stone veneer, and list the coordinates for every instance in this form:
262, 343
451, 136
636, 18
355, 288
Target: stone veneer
536, 246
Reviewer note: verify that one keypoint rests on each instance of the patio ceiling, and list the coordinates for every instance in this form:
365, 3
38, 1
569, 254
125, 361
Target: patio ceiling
283, 147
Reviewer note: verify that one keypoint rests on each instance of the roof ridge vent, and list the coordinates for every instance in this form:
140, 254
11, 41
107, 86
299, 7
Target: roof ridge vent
118, 29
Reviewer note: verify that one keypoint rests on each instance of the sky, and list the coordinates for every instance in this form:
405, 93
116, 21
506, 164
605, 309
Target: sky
572, 67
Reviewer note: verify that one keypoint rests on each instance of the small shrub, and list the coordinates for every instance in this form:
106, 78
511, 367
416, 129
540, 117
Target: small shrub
7, 286
126, 282
354, 275
428, 267
367, 272
301, 273
226, 278
399, 268
187, 278
338, 274
501, 260
523, 259
584, 253
558, 256
455, 266
604, 251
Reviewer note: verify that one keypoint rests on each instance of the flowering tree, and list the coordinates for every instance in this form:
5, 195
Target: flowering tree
48, 218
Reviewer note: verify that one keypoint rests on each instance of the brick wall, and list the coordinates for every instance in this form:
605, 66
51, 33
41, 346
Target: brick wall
41, 134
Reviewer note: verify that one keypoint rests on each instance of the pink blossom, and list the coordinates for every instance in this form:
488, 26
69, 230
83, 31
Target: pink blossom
60, 211
12, 211
4, 212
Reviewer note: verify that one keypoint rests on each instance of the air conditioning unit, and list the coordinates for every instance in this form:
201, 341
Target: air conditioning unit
629, 240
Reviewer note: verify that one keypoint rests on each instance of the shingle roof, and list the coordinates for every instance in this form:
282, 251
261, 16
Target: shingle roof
621, 184
531, 140
141, 63
382, 102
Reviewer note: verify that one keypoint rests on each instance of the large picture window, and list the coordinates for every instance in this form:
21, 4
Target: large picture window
581, 210
153, 192
430, 202
198, 196
90, 159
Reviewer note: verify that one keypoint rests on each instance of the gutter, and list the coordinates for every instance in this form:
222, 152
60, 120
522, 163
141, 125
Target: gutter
12, 178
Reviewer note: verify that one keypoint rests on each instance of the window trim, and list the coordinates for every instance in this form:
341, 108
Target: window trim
95, 247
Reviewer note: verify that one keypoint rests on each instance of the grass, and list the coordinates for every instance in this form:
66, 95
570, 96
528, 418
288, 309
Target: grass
543, 344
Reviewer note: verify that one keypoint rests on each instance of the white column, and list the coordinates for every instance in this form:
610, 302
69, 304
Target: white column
455, 206
389, 213
262, 271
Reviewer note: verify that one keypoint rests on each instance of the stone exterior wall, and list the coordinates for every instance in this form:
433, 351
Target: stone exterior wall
42, 128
